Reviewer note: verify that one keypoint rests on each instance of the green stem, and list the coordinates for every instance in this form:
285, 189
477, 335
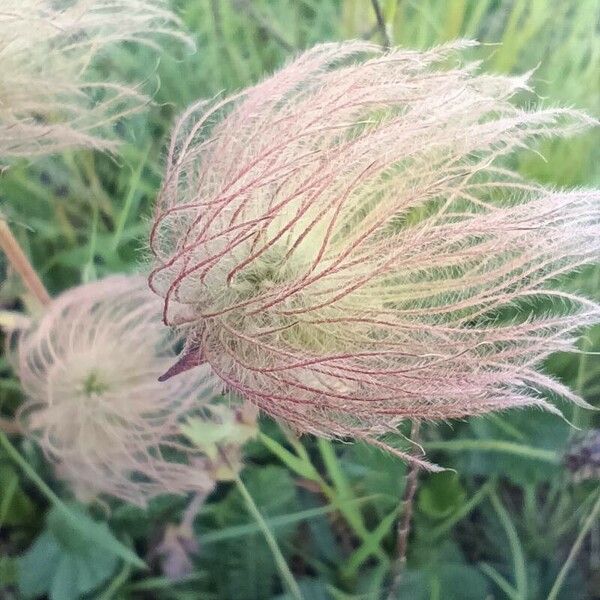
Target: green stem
284, 570
236, 531
338, 478
442, 529
496, 446
89, 269
300, 464
339, 495
515, 545
116, 584
128, 204
8, 494
504, 585
15, 455
560, 579
381, 24
579, 415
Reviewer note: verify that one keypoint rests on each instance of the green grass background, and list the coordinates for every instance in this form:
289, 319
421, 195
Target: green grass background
500, 525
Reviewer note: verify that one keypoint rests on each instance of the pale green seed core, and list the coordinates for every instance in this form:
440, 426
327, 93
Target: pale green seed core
93, 385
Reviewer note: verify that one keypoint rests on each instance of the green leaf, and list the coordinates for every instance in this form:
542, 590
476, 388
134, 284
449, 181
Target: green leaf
414, 585
462, 582
375, 472
73, 556
8, 571
313, 589
77, 531
295, 463
65, 580
441, 495
63, 571
37, 566
448, 581
544, 434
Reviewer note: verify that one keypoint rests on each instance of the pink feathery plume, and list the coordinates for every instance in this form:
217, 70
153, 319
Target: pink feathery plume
89, 370
50, 98
345, 246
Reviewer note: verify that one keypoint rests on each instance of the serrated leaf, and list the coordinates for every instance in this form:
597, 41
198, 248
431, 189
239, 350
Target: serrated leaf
91, 573
273, 490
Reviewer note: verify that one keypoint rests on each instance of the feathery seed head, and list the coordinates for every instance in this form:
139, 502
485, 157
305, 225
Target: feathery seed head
89, 370
48, 101
343, 244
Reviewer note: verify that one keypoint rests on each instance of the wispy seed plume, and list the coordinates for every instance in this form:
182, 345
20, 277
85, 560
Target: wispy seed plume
346, 245
89, 370
49, 97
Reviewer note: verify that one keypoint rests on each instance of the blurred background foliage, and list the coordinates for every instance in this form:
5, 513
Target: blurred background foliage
500, 525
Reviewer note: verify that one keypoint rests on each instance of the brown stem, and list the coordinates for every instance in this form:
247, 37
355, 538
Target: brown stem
20, 263
403, 531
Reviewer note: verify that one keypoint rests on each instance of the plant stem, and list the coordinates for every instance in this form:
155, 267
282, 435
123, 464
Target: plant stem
381, 24
15, 455
403, 531
514, 543
20, 263
265, 26
580, 417
284, 570
192, 510
300, 464
463, 511
117, 583
560, 579
501, 446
